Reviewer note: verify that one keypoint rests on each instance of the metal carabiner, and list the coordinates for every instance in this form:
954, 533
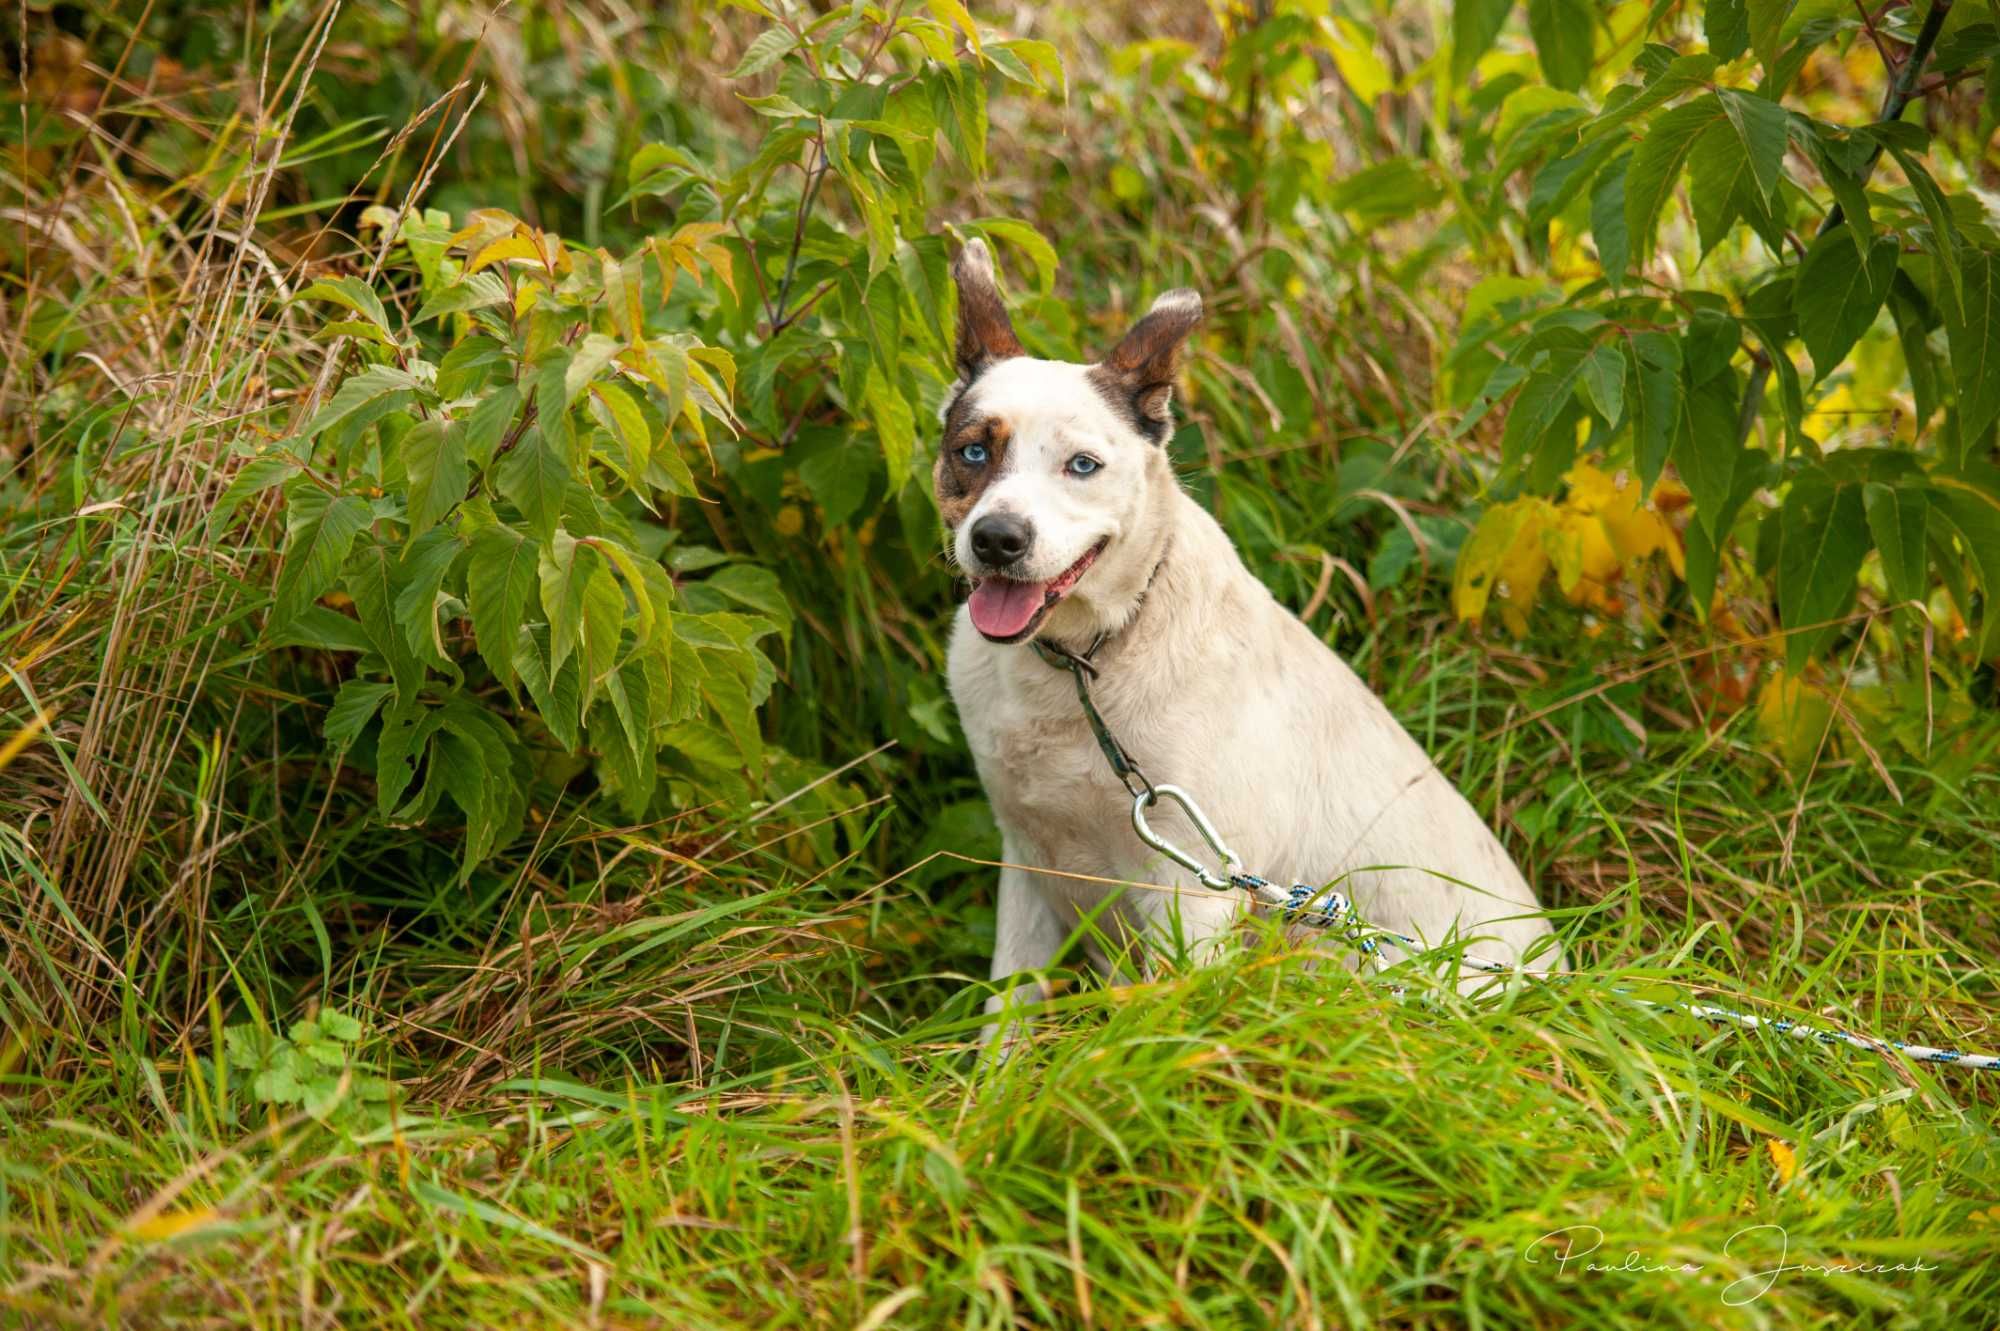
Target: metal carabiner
1146, 798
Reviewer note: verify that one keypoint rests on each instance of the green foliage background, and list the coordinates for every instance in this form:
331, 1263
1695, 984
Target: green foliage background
475, 613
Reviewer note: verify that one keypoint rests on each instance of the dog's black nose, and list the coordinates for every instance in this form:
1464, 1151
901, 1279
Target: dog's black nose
1000, 539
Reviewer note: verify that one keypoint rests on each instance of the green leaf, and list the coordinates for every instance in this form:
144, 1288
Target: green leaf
1726, 25
556, 698
1387, 191
320, 530
321, 628
1545, 398
1970, 502
1657, 163
1672, 76
1972, 326
1837, 299
1768, 313
1766, 23
500, 586
535, 476
1656, 407
477, 292
1853, 198
469, 366
253, 477
1563, 31
895, 426
758, 588
1604, 382
487, 423
1822, 535
1713, 336
462, 766
584, 608
1721, 185
433, 453
340, 1026
1607, 217
353, 294
1564, 178
406, 733
1024, 238
1939, 236
1763, 130
353, 708
634, 572
1475, 24
1913, 325
580, 371
1898, 517
1042, 60
966, 129
623, 421
552, 399
279, 1084
427, 561
1704, 552
768, 49
878, 226
372, 580
724, 685
1706, 447
837, 476
374, 391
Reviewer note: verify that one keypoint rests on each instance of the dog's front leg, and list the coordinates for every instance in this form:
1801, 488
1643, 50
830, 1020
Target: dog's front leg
1030, 932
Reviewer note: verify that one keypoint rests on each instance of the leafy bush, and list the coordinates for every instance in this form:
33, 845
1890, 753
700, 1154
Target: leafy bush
522, 475
1649, 369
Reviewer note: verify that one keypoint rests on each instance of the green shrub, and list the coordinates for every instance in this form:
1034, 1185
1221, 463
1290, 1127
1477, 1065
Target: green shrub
1797, 242
489, 507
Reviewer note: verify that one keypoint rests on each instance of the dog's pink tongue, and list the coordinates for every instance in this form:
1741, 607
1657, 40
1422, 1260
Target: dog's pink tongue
1001, 607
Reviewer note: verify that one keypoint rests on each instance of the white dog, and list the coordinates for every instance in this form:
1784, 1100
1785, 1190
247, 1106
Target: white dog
1055, 485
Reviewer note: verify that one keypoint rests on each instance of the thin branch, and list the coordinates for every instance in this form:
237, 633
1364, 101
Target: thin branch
1902, 87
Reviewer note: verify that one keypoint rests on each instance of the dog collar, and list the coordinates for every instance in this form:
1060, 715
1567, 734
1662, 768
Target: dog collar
1081, 666
1059, 657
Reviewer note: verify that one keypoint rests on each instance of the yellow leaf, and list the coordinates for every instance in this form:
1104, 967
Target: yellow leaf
622, 288
170, 1224
725, 267
696, 234
1784, 1158
483, 226
951, 13
1792, 717
503, 249
663, 255
1353, 51
1503, 555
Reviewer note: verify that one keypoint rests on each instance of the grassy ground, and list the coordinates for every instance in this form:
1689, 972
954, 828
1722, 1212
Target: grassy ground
720, 1070
1253, 1143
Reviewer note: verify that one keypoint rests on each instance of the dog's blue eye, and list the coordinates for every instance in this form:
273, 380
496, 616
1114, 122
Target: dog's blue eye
1082, 465
973, 453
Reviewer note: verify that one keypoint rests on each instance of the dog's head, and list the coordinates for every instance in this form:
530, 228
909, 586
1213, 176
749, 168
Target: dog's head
1050, 475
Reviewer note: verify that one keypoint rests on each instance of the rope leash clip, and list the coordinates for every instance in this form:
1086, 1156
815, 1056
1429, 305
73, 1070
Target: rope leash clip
1145, 799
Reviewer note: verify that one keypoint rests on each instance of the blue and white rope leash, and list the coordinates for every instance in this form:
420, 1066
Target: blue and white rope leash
1326, 908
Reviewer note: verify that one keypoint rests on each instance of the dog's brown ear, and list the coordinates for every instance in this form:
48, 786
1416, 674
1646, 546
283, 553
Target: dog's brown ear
985, 334
1138, 375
